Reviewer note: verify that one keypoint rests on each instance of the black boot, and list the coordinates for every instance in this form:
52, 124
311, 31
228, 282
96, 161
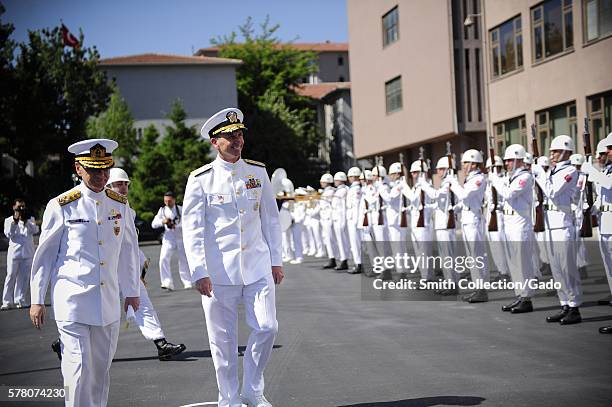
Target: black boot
508, 308
479, 296
559, 316
343, 266
356, 270
330, 264
572, 317
605, 329
523, 306
57, 348
165, 349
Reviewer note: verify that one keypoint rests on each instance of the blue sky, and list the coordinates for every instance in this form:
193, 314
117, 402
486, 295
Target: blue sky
175, 26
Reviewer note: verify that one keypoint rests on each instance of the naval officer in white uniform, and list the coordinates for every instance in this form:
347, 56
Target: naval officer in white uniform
87, 233
233, 241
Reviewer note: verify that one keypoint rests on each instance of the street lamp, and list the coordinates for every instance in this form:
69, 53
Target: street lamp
469, 20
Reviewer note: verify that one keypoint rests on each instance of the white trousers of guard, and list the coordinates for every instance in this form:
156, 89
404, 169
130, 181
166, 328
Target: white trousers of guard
146, 317
16, 281
169, 247
329, 239
422, 242
355, 242
315, 230
497, 245
342, 240
561, 252
581, 258
446, 249
521, 251
221, 313
605, 247
473, 237
87, 353
381, 240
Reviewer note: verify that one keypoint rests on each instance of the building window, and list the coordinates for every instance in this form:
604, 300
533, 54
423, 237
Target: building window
554, 122
139, 133
340, 61
390, 22
509, 132
600, 112
506, 47
393, 94
552, 28
597, 19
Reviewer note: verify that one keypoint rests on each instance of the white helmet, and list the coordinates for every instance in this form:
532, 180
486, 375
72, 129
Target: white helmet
608, 140
395, 168
117, 174
472, 156
368, 175
379, 171
362, 176
602, 148
287, 185
328, 178
498, 162
528, 158
576, 159
354, 172
340, 176
416, 166
544, 161
300, 191
515, 152
310, 189
562, 143
442, 163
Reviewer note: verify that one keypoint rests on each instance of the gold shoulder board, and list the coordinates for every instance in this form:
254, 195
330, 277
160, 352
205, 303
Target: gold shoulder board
68, 197
202, 170
253, 162
115, 196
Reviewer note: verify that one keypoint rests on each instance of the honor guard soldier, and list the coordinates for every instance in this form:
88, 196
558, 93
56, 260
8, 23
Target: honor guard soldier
517, 195
327, 226
497, 239
353, 200
393, 198
578, 206
541, 261
559, 186
368, 215
380, 227
421, 215
471, 194
88, 249
314, 223
603, 184
19, 229
169, 218
339, 219
233, 242
445, 233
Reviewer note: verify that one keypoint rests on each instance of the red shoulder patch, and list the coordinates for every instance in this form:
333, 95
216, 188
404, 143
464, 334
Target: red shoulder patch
568, 178
478, 183
522, 182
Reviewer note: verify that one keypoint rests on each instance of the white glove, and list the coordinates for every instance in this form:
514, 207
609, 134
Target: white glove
588, 168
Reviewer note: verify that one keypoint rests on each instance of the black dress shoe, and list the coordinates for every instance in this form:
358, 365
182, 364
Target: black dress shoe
356, 270
605, 301
57, 348
330, 264
605, 329
386, 275
508, 308
343, 266
165, 350
559, 316
523, 306
572, 317
467, 297
479, 296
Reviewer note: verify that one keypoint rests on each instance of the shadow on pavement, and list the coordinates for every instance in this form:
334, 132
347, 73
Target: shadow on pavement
187, 356
46, 369
425, 402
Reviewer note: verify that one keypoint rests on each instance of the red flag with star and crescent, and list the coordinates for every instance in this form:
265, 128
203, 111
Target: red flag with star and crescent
69, 39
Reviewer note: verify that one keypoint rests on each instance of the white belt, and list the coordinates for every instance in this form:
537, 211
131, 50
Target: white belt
605, 208
510, 212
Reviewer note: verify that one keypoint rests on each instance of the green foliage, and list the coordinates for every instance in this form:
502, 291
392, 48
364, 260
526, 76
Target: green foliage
116, 123
166, 165
282, 125
53, 91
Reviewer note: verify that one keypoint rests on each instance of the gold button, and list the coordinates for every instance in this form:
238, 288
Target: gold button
101, 263
99, 222
102, 283
241, 210
97, 202
242, 229
233, 173
238, 192
100, 242
243, 247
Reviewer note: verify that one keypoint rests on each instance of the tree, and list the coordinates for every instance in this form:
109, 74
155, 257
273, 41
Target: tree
55, 91
116, 123
7, 91
281, 123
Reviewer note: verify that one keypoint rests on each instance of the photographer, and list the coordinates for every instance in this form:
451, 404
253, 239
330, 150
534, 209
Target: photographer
19, 229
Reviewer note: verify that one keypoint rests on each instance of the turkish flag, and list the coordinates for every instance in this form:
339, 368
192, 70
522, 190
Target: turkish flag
69, 39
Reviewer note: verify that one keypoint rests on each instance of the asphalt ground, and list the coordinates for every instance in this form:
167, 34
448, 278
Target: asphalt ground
336, 349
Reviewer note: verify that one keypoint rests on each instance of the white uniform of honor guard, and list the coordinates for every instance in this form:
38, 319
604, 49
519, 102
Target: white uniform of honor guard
232, 237
86, 234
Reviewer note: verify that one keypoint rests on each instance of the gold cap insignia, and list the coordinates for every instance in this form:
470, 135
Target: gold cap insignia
232, 117
97, 151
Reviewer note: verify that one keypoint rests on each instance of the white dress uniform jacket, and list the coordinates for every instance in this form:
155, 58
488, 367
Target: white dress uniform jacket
88, 248
21, 244
231, 229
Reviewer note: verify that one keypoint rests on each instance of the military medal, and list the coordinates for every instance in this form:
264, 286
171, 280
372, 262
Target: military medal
117, 229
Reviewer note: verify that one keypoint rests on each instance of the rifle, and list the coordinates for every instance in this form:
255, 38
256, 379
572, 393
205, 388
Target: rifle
381, 216
403, 218
421, 220
450, 224
538, 225
588, 220
493, 227
365, 222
